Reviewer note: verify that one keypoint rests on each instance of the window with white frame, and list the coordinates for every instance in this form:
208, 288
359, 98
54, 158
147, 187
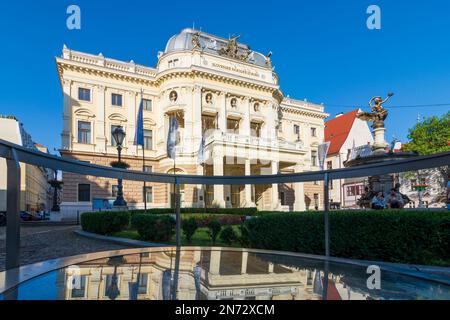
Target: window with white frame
78, 286
148, 139
84, 132
116, 100
148, 194
147, 105
143, 283
84, 94
148, 169
314, 158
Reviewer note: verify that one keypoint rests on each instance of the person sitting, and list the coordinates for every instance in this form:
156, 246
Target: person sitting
394, 200
378, 202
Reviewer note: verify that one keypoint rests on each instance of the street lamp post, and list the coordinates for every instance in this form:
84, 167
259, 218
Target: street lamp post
119, 135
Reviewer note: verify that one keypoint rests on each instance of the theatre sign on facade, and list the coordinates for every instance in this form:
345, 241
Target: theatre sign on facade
215, 87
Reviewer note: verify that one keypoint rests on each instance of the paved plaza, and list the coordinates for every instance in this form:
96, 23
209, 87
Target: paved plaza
49, 242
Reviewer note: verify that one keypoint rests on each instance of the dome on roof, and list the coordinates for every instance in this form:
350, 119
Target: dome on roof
181, 41
210, 44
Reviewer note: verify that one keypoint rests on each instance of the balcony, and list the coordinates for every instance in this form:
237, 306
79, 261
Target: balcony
255, 142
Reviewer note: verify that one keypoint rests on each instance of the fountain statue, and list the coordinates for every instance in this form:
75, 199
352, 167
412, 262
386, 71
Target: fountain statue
377, 117
377, 153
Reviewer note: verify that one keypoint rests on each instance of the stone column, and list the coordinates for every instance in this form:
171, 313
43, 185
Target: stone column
218, 189
299, 204
67, 132
100, 123
197, 110
248, 187
275, 197
244, 128
380, 144
214, 264
200, 188
244, 262
222, 114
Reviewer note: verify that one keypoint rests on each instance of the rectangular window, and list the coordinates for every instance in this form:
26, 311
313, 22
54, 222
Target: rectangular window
116, 100
329, 165
316, 201
84, 94
113, 141
84, 192
282, 198
148, 169
148, 139
147, 104
109, 283
84, 132
148, 194
143, 282
78, 286
313, 132
314, 158
233, 126
296, 129
173, 63
114, 190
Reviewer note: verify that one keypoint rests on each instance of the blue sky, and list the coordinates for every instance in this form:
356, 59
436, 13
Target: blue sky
322, 50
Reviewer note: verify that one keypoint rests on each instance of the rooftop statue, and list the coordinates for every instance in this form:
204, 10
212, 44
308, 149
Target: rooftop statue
231, 49
196, 41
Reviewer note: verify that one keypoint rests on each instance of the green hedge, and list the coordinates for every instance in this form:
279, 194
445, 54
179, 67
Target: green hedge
105, 222
227, 211
159, 228
421, 237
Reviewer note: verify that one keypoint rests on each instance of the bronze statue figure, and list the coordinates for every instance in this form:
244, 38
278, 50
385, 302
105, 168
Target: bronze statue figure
231, 49
378, 114
196, 41
268, 60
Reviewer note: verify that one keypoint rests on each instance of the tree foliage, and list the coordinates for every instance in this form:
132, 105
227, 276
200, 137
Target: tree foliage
430, 136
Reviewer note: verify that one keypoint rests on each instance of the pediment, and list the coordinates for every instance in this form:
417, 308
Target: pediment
117, 117
149, 122
84, 112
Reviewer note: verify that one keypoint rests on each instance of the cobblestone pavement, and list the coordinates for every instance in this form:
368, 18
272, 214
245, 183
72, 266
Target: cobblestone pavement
50, 242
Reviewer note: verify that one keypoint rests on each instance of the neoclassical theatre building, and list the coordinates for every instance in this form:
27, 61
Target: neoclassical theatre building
218, 89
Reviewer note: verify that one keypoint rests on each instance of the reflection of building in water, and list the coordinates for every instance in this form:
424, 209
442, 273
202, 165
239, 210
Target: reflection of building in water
212, 275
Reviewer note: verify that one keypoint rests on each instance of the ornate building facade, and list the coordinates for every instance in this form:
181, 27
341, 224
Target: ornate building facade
217, 89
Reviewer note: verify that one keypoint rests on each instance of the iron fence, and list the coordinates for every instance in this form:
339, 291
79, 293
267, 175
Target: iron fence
15, 154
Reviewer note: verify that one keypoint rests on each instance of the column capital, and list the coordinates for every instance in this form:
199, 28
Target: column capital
67, 82
100, 88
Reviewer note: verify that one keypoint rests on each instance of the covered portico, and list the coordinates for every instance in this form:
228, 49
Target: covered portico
233, 155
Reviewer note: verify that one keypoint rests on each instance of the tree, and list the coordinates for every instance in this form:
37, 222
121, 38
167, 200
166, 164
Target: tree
430, 136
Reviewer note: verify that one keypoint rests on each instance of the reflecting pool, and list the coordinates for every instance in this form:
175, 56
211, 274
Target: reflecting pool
219, 274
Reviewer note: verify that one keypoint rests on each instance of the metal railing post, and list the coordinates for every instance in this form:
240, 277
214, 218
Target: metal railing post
326, 197
13, 212
177, 211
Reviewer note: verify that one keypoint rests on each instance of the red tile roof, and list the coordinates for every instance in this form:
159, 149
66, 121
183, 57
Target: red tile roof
337, 130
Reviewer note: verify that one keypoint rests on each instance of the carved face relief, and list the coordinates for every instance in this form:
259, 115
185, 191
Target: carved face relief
233, 103
209, 98
173, 96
